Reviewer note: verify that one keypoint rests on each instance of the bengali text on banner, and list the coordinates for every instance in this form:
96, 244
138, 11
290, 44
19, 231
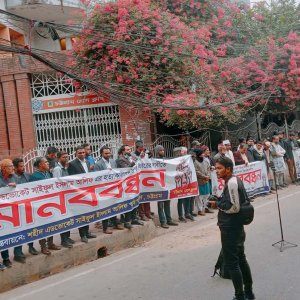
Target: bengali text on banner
36, 210
254, 177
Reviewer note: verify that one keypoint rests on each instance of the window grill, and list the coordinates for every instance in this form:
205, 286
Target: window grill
51, 84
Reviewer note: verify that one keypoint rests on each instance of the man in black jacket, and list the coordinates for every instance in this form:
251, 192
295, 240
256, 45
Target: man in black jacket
232, 231
80, 166
163, 207
107, 163
125, 161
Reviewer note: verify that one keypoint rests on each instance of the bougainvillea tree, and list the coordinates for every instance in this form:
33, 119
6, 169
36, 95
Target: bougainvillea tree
190, 60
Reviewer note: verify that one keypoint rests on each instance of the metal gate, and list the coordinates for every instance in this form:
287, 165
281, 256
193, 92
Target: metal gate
68, 129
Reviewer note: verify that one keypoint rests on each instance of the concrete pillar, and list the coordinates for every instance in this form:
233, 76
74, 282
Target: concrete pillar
25, 111
12, 115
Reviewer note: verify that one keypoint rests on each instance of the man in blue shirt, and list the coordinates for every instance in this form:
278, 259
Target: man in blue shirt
61, 170
42, 172
88, 156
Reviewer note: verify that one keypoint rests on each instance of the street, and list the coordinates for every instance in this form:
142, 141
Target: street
179, 264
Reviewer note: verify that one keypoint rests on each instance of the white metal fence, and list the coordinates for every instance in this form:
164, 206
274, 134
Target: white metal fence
265, 132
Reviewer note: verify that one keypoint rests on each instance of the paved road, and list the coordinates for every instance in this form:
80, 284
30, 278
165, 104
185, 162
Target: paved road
178, 265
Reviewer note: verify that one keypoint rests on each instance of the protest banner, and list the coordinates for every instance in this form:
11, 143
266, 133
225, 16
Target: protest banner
254, 177
36, 210
296, 154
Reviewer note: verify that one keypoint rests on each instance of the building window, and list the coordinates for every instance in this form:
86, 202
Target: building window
50, 84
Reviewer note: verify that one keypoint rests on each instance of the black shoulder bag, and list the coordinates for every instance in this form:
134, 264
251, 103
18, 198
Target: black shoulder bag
246, 213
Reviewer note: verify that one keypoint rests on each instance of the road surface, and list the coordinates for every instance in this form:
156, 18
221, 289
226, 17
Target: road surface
178, 265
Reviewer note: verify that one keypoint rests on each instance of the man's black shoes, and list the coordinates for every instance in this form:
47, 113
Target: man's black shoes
33, 251
66, 244
91, 236
137, 222
7, 263
249, 296
20, 259
127, 225
172, 223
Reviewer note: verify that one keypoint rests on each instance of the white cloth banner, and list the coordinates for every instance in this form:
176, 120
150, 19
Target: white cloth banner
279, 164
35, 210
254, 177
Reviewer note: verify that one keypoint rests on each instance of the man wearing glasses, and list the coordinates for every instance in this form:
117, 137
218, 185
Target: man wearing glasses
81, 166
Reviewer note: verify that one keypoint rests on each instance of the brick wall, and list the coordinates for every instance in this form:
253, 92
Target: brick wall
136, 124
17, 133
21, 64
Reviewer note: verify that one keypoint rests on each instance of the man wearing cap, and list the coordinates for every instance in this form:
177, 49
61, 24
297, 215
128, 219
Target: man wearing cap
163, 207
228, 153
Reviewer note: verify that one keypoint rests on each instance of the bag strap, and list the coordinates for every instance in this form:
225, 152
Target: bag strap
242, 191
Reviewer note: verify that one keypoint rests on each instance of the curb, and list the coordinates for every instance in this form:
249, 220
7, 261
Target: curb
40, 266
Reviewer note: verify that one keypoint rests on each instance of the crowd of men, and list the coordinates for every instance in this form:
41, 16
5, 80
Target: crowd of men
56, 164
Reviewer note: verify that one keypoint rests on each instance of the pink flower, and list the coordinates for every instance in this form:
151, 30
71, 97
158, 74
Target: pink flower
122, 12
146, 28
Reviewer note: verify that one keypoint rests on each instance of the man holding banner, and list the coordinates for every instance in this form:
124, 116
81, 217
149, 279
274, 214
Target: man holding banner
40, 209
80, 166
43, 172
9, 179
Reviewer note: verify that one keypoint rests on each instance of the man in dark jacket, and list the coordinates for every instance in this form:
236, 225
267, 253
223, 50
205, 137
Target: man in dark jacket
43, 172
250, 143
232, 231
291, 144
80, 166
61, 170
163, 207
240, 156
23, 177
141, 153
9, 179
107, 163
125, 161
258, 152
51, 156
